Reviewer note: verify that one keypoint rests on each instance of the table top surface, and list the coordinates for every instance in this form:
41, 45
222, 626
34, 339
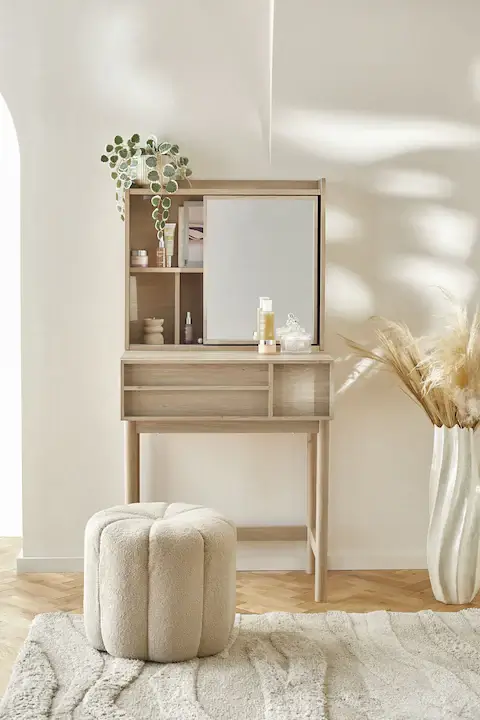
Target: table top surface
222, 356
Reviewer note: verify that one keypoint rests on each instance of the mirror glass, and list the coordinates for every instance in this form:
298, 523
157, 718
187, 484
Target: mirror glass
259, 246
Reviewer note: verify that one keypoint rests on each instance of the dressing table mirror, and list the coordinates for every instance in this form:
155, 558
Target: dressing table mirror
259, 246
259, 238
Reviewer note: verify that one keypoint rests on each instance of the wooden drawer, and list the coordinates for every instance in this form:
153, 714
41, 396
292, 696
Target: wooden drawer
195, 403
160, 375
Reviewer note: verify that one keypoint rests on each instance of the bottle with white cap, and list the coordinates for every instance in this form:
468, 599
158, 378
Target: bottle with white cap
188, 330
256, 334
266, 334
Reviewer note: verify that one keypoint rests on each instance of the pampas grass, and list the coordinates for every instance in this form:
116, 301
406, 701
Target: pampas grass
440, 373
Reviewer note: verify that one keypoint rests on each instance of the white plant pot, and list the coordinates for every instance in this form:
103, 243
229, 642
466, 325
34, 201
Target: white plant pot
141, 175
454, 531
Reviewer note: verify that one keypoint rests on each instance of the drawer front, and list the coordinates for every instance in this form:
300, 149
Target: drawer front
195, 404
195, 375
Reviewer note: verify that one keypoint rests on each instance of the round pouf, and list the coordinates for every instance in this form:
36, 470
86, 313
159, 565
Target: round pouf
159, 581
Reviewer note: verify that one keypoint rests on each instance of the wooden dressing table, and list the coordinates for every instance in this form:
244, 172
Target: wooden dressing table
177, 388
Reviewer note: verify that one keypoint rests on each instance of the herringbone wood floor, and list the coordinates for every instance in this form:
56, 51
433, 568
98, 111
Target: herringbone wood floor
24, 596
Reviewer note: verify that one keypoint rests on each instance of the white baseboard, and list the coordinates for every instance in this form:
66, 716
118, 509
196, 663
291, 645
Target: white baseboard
256, 556
48, 564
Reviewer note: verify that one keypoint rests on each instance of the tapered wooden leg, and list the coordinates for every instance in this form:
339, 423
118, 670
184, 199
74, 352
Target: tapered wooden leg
132, 464
311, 491
321, 511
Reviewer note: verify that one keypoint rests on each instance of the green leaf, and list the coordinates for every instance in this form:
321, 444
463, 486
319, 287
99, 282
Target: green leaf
119, 183
174, 149
162, 224
111, 164
156, 201
123, 176
188, 172
128, 184
114, 158
159, 235
123, 153
136, 138
151, 161
123, 166
157, 224
155, 187
171, 186
114, 175
164, 148
149, 142
109, 148
183, 160
116, 196
118, 140
165, 215
168, 170
104, 158
118, 148
155, 214
153, 175
122, 217
166, 203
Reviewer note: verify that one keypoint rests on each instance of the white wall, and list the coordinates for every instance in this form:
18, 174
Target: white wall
380, 97
10, 418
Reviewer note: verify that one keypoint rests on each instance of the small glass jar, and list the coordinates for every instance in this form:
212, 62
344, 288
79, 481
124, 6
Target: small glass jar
138, 258
294, 338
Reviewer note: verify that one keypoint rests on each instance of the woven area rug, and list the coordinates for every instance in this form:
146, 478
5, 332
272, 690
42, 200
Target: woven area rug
380, 666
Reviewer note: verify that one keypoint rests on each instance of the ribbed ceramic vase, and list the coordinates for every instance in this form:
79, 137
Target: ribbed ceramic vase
454, 531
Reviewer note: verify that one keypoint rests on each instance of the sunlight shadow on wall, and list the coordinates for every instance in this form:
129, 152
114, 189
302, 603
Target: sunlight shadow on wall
412, 184
347, 295
341, 227
444, 231
363, 138
474, 78
425, 275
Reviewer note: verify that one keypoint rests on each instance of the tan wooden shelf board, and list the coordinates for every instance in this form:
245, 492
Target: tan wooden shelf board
219, 426
226, 418
223, 356
196, 388
275, 533
142, 270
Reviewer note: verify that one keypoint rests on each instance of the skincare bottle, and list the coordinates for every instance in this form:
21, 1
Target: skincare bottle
169, 235
161, 254
256, 334
188, 329
266, 341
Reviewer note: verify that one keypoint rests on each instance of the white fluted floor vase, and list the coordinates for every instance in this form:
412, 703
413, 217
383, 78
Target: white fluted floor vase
454, 531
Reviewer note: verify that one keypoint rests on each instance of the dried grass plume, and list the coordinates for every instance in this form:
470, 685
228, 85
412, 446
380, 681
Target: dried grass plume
441, 373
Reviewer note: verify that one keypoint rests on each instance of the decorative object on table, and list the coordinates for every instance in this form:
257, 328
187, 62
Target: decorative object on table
293, 337
267, 345
383, 665
159, 581
442, 374
153, 331
154, 164
139, 258
193, 223
188, 329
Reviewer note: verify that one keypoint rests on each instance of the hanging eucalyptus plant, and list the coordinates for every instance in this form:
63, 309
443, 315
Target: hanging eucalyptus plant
164, 166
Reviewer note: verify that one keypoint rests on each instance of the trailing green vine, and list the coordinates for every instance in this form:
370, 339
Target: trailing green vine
165, 168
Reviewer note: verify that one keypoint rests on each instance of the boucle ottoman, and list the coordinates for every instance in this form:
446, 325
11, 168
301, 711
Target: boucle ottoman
159, 581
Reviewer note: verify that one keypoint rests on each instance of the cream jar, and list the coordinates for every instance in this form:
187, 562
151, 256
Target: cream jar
138, 258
